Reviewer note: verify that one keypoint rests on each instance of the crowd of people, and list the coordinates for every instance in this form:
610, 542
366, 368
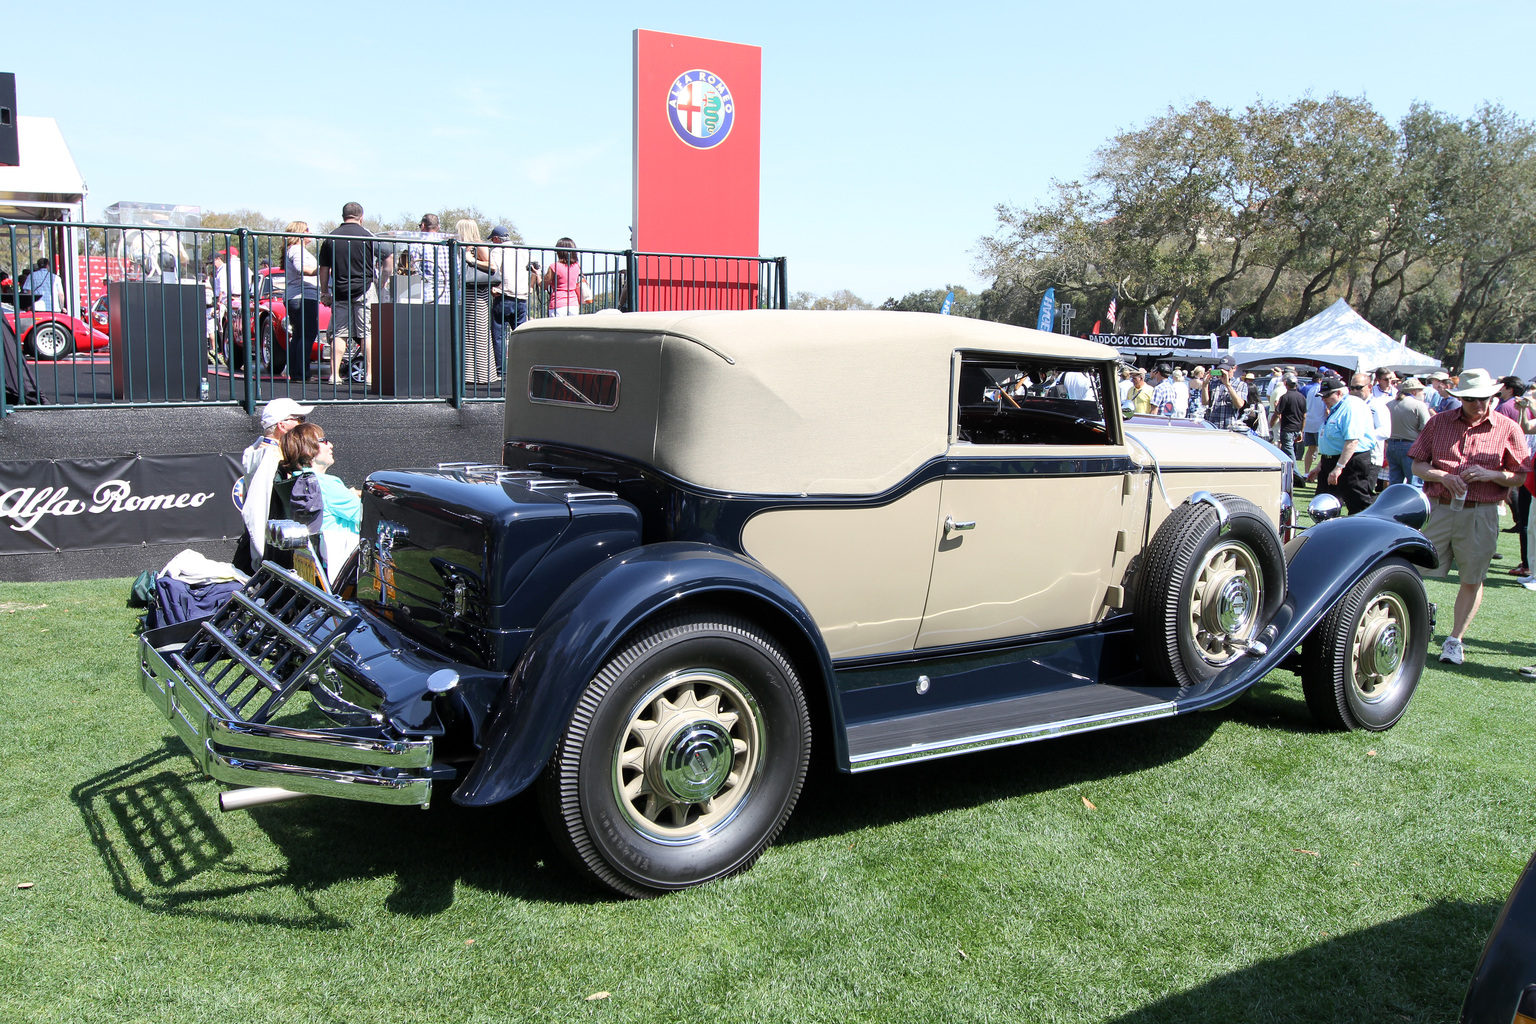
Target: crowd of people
353, 269
1468, 441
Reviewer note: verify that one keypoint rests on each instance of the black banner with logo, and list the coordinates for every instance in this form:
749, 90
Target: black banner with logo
1201, 343
70, 504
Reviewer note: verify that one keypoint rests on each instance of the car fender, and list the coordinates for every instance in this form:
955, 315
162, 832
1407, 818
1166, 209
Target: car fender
1322, 564
588, 623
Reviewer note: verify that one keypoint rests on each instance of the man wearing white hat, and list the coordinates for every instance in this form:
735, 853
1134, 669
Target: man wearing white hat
258, 465
1468, 460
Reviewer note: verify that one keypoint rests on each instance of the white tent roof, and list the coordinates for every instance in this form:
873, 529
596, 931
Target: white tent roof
47, 181
1339, 336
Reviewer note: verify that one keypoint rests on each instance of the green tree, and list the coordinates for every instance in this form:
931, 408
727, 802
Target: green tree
967, 303
840, 299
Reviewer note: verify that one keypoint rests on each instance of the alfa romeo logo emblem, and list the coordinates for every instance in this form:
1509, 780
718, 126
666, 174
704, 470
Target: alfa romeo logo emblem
700, 108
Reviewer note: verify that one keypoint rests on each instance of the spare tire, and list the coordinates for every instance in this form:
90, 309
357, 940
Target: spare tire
1204, 588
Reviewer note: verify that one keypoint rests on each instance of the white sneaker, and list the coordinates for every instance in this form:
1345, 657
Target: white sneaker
1528, 582
1451, 651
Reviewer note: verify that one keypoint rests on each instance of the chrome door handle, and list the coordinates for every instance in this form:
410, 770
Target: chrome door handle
951, 526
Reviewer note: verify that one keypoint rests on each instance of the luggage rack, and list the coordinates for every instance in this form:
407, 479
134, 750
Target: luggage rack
278, 619
221, 683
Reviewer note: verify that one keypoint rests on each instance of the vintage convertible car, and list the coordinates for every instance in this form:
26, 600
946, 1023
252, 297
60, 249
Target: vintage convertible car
716, 539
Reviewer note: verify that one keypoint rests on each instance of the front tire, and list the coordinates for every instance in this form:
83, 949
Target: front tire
683, 758
1362, 662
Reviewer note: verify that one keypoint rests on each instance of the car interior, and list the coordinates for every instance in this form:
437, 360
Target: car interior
1021, 401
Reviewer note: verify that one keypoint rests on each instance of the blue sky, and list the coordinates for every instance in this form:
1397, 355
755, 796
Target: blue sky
890, 131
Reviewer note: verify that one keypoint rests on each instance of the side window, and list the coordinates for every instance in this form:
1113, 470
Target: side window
1018, 400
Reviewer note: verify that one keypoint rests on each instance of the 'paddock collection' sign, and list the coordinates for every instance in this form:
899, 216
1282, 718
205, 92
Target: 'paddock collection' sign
70, 504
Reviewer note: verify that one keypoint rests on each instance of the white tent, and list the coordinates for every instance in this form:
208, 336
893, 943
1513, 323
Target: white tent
1338, 336
47, 185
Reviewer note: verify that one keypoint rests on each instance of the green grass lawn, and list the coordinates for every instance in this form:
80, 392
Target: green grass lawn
1234, 866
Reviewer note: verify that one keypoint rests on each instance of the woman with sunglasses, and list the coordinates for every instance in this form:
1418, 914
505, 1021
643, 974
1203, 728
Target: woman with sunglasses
307, 459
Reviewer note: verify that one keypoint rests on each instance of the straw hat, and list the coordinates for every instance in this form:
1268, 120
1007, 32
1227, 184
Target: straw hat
1476, 383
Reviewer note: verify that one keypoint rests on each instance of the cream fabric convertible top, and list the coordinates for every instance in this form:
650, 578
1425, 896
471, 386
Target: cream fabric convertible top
766, 401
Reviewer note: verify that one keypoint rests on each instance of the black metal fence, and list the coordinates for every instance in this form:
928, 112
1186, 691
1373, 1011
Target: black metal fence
108, 314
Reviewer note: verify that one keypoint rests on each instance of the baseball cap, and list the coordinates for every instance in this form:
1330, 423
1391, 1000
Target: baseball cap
500, 232
1332, 384
280, 409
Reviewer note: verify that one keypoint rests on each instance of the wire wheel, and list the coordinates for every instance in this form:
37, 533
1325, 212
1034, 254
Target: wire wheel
688, 757
1225, 600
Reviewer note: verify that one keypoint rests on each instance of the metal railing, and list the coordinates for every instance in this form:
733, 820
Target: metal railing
131, 315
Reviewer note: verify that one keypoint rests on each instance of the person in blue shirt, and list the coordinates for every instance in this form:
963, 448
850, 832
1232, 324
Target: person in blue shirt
1346, 443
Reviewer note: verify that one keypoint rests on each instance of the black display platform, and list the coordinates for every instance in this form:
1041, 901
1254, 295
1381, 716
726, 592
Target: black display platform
412, 349
158, 340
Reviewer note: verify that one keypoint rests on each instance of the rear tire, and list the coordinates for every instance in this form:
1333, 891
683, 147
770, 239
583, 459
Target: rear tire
1362, 662
51, 341
683, 758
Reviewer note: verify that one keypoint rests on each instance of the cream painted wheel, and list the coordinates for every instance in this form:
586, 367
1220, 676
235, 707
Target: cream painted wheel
688, 757
1362, 662
683, 757
1225, 601
1376, 656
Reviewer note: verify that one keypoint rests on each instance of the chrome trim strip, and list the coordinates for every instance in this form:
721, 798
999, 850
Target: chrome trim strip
1008, 737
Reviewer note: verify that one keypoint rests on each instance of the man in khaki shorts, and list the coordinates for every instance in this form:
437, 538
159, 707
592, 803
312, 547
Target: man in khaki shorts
1468, 460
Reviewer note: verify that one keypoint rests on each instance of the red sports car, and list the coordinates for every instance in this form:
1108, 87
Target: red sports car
54, 335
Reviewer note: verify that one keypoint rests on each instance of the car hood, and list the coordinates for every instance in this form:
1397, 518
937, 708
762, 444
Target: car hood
1190, 447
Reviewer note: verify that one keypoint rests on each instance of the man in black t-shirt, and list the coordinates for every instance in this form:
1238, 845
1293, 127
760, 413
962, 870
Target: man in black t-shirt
346, 285
1290, 418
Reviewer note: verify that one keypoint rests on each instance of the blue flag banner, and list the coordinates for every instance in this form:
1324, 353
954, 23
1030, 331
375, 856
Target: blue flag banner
949, 304
1047, 311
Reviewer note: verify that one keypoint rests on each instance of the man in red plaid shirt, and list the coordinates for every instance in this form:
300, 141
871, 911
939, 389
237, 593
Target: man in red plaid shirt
1470, 456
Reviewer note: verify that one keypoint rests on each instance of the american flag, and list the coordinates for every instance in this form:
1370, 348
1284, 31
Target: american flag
1110, 315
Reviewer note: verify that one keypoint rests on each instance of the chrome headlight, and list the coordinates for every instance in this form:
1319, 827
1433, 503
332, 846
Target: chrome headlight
1325, 507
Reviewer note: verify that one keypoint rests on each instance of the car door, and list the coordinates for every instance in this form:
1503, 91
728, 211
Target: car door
1038, 503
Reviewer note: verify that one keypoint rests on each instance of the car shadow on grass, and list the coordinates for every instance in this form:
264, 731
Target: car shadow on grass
1413, 968
166, 851
834, 803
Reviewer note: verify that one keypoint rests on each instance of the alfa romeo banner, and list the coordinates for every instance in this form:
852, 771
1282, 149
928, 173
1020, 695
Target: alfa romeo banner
69, 504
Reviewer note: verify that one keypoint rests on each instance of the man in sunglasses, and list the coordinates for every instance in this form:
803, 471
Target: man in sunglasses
1468, 460
1346, 444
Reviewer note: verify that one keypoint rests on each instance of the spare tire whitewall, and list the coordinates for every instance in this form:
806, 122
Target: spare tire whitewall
1205, 589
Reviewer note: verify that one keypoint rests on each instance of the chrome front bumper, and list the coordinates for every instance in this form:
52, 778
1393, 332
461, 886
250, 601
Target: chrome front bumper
272, 639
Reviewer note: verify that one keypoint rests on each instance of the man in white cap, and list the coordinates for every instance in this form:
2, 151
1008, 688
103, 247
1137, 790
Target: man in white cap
258, 465
1468, 460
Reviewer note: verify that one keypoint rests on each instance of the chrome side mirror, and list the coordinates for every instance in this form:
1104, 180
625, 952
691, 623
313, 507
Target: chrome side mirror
1128, 408
1325, 507
286, 535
